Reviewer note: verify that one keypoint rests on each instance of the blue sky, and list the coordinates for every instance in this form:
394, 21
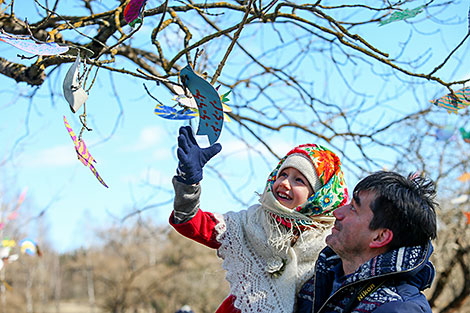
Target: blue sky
138, 160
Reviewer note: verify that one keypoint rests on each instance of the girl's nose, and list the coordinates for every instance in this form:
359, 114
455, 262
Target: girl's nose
285, 183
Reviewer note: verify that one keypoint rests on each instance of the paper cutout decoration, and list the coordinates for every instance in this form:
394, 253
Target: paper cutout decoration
224, 99
7, 285
465, 134
8, 243
402, 15
451, 103
133, 10
72, 87
185, 101
444, 134
83, 154
5, 256
211, 118
28, 44
21, 198
4, 252
464, 177
13, 215
191, 103
467, 214
30, 247
173, 114
460, 199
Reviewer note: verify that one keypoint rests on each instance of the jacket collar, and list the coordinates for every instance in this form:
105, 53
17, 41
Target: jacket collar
409, 263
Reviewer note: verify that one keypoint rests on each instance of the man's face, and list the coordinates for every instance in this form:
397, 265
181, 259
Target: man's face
350, 237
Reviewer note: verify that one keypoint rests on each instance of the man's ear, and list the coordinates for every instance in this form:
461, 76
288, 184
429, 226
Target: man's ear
382, 238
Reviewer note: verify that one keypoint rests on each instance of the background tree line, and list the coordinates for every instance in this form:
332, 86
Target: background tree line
147, 268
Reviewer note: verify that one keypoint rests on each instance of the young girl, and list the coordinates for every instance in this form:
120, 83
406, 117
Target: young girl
269, 250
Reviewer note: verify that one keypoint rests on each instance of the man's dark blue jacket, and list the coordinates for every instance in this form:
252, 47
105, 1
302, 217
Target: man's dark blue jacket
401, 275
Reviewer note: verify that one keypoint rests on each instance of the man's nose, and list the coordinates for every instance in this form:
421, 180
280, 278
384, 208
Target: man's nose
339, 212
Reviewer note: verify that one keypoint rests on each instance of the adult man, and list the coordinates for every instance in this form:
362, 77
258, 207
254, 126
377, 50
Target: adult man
377, 258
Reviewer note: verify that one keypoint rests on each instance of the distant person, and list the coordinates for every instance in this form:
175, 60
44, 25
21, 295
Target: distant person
377, 259
270, 248
185, 309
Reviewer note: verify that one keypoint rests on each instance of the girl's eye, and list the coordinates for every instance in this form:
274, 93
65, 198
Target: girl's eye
300, 180
283, 174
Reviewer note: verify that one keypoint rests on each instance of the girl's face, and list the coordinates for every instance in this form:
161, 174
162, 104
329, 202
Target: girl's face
291, 188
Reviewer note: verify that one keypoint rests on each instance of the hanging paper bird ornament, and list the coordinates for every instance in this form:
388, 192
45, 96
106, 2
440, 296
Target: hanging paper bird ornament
83, 154
30, 247
211, 118
444, 134
74, 93
173, 114
402, 15
453, 103
133, 11
28, 44
465, 134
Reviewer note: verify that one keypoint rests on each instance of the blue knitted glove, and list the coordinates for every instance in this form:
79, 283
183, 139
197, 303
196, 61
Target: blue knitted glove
191, 157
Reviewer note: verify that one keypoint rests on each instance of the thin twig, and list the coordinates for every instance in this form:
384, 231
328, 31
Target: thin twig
232, 44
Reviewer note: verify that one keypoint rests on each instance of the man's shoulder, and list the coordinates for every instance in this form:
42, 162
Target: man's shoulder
402, 301
390, 297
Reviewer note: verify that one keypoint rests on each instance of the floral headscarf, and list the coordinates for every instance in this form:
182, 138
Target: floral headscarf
334, 192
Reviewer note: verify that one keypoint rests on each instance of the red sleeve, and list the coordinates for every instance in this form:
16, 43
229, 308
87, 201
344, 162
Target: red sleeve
200, 228
228, 306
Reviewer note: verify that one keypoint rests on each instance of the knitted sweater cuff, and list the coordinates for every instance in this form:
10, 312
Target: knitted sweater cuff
186, 203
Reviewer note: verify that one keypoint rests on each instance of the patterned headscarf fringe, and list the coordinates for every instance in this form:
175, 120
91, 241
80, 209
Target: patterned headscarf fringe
280, 236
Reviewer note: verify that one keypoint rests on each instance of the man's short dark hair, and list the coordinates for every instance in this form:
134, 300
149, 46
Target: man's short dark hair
405, 205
